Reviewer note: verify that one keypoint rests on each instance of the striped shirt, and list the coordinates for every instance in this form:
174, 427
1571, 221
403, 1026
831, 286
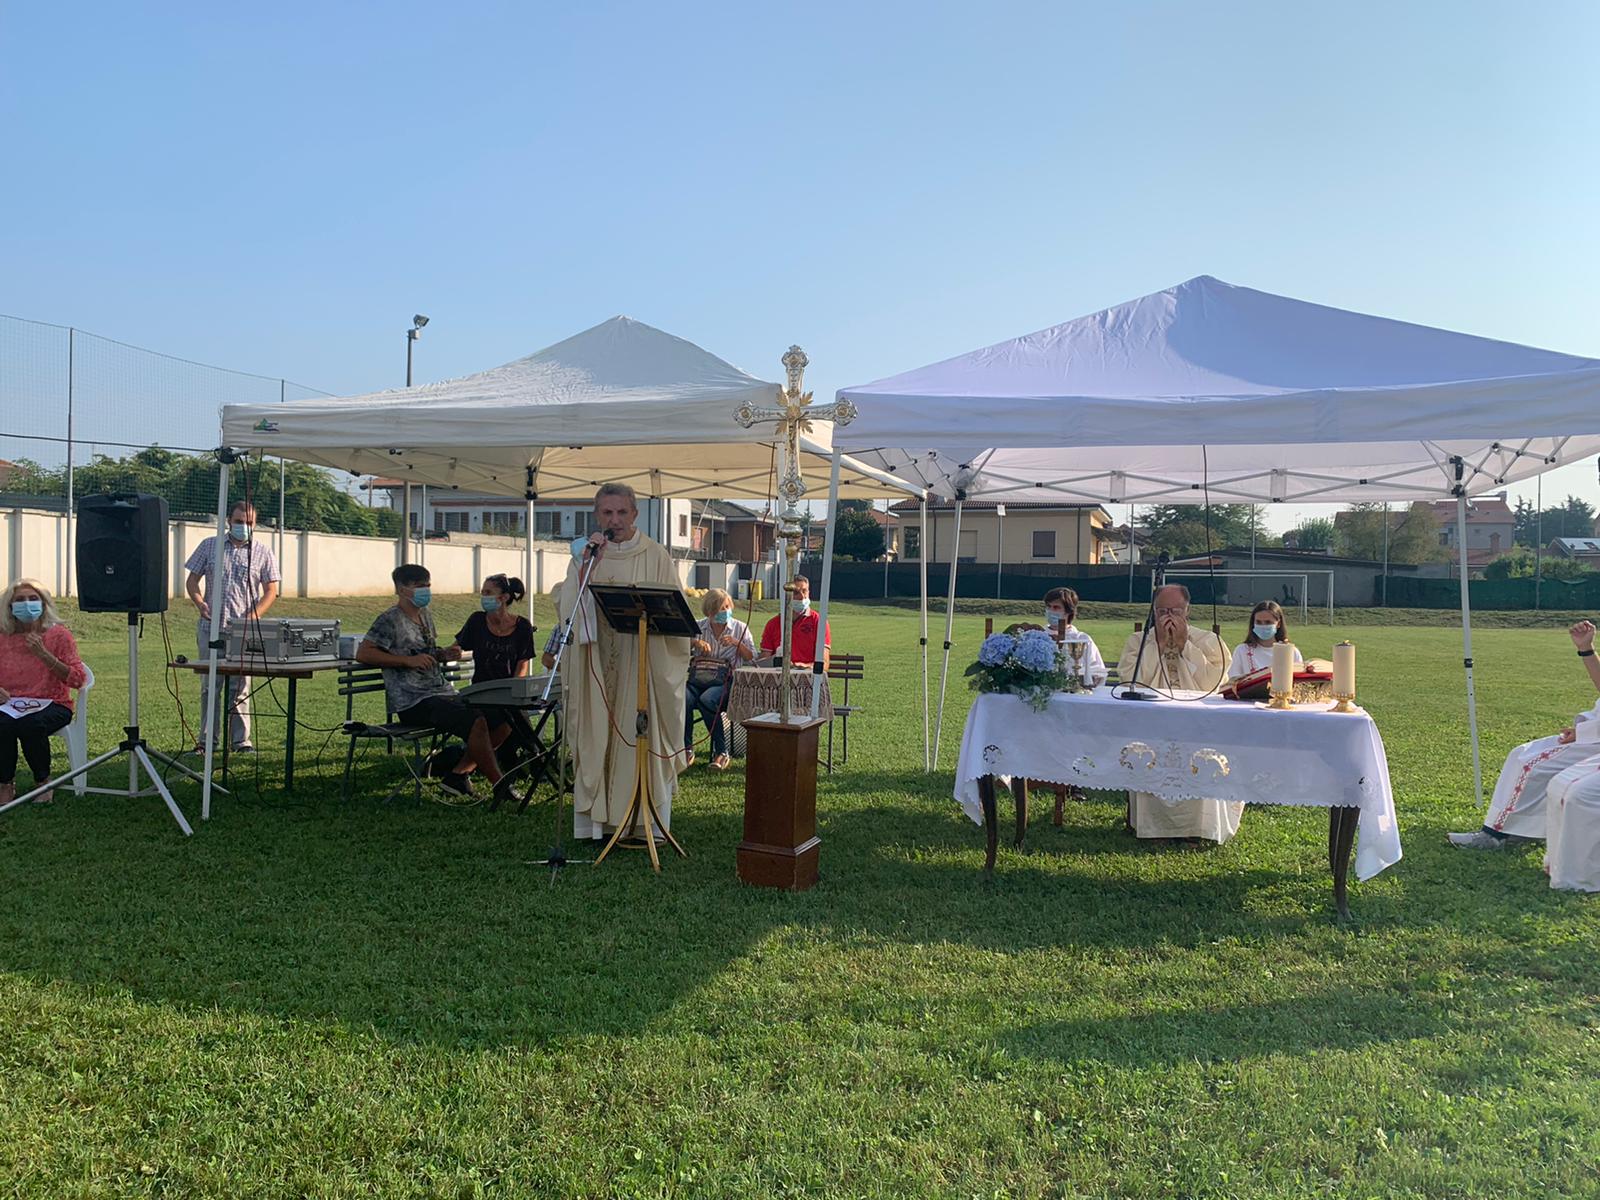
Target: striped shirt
246, 570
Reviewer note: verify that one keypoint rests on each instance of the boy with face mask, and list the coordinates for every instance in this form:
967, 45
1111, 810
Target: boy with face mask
1060, 611
405, 643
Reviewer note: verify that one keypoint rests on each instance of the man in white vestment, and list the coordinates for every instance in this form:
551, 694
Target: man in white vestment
600, 677
1177, 657
1517, 812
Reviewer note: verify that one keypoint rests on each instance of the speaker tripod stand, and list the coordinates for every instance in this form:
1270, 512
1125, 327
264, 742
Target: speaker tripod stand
140, 755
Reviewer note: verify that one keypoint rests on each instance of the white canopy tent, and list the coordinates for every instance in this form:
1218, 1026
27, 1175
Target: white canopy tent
598, 406
621, 402
1238, 395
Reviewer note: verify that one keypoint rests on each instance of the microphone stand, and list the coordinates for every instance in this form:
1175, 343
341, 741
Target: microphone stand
559, 641
1129, 689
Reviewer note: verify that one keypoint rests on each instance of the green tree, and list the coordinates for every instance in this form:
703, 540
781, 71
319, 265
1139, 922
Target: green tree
1413, 533
1314, 533
1520, 564
1180, 529
1574, 517
188, 483
857, 534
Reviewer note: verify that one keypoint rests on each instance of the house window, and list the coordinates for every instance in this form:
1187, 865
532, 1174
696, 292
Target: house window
1044, 543
454, 522
1444, 539
683, 525
547, 524
913, 541
968, 552
1494, 542
502, 522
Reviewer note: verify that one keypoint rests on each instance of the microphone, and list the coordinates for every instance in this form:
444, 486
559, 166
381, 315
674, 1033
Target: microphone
589, 551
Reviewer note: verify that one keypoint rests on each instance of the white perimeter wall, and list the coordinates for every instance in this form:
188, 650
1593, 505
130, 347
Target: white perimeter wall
36, 546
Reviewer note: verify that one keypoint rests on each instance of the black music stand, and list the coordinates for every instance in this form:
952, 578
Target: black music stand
644, 609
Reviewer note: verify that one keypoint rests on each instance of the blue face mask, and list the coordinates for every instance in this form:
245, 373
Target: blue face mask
721, 618
1265, 633
1054, 617
489, 603
579, 545
422, 597
27, 610
240, 531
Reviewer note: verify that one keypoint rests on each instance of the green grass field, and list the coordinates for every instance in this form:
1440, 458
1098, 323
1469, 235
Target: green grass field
315, 998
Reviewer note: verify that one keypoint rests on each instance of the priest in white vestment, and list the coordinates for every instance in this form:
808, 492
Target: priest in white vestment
1177, 657
600, 677
1517, 811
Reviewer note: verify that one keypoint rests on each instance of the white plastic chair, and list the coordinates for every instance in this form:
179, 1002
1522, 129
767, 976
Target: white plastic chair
76, 732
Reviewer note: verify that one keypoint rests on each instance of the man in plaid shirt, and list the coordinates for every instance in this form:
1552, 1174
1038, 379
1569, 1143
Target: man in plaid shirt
249, 585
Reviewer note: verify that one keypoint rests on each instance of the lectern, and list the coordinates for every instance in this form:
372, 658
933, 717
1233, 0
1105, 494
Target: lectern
644, 609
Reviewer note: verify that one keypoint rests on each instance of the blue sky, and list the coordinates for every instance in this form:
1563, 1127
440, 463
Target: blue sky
278, 188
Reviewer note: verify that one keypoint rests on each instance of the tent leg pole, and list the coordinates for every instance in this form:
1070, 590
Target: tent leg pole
1466, 646
818, 670
922, 563
949, 628
208, 722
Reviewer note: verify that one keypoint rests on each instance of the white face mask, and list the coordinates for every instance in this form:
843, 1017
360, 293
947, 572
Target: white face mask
803, 604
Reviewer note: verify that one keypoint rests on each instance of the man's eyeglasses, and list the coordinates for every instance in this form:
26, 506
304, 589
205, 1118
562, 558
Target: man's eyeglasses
1172, 612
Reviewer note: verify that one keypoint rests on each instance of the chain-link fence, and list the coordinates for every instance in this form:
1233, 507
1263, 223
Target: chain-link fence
82, 415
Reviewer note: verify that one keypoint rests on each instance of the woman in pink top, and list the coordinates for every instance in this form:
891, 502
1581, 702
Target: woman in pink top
39, 670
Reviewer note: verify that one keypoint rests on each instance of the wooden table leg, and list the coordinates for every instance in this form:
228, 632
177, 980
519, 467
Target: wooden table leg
1019, 793
991, 824
1061, 804
1342, 823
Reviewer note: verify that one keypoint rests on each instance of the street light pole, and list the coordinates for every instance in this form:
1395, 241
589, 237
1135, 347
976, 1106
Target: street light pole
412, 334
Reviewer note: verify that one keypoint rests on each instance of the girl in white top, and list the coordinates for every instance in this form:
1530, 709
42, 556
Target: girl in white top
1255, 652
1060, 608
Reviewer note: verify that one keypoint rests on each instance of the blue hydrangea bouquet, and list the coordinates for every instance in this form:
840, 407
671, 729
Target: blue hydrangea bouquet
1030, 665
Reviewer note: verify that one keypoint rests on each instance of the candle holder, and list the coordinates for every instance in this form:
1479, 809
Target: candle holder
1345, 699
1281, 700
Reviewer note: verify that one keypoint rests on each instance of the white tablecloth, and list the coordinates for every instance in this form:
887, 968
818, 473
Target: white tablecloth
1208, 749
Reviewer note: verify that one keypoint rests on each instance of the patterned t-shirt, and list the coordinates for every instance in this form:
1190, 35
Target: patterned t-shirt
396, 633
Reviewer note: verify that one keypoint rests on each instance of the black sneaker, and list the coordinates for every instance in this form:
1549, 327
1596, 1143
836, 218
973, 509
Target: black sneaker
243, 748
461, 785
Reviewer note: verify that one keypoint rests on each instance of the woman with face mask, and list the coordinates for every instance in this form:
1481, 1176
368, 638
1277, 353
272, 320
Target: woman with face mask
1267, 627
501, 644
723, 643
39, 671
1060, 611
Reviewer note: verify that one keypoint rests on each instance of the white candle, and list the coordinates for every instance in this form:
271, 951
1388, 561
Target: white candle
1344, 669
1282, 668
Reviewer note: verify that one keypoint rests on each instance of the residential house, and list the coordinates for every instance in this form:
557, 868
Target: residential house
1491, 528
1013, 534
1585, 550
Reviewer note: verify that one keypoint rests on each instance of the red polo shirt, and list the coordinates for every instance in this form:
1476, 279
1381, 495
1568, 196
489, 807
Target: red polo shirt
805, 637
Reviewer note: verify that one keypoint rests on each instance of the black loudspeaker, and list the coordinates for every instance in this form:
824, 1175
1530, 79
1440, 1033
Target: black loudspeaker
122, 554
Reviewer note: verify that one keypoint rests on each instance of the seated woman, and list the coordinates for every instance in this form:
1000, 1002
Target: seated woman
723, 644
1267, 626
1061, 610
501, 645
39, 670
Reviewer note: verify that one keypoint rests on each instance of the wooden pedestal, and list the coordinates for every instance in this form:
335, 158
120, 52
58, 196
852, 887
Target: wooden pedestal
780, 846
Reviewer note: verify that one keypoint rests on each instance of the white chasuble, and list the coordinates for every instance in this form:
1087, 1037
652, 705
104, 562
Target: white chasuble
599, 689
1199, 666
